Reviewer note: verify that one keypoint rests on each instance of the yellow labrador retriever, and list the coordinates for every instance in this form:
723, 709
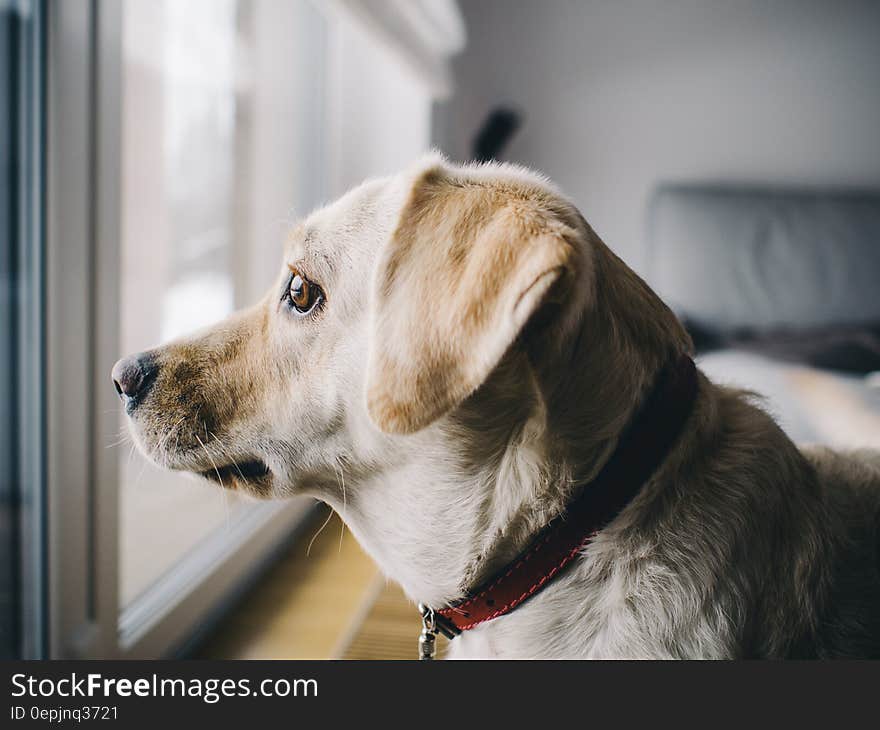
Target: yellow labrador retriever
449, 358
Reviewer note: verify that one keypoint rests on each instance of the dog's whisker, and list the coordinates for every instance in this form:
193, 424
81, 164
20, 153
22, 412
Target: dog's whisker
164, 440
224, 496
320, 530
210, 458
118, 442
140, 476
228, 455
344, 502
160, 447
121, 435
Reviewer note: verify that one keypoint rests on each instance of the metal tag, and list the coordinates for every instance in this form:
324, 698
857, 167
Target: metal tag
428, 637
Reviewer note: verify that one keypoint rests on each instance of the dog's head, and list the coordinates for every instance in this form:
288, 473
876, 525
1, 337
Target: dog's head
394, 307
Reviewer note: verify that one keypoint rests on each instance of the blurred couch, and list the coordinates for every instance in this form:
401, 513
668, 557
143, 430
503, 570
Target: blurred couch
780, 289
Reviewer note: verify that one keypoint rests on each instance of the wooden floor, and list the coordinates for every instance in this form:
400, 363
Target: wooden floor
389, 630
326, 602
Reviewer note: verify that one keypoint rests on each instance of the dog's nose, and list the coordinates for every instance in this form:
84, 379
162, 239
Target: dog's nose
133, 376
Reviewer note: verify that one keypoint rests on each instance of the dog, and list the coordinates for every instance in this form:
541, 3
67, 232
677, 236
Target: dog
449, 357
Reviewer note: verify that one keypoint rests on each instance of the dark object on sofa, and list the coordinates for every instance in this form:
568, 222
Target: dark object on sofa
854, 349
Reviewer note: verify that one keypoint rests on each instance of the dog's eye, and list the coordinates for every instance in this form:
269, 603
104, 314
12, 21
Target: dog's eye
302, 294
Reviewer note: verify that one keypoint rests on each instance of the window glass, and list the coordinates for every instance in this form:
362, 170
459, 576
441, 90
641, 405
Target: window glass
217, 124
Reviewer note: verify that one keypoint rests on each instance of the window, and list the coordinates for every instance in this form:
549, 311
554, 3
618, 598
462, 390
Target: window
212, 144
212, 141
179, 110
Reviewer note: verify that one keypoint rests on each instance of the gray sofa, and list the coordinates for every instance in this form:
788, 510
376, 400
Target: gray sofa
747, 265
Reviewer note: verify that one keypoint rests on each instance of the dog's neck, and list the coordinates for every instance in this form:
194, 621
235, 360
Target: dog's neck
469, 493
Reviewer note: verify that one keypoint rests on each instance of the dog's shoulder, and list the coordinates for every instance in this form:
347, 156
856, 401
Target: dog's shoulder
850, 483
848, 476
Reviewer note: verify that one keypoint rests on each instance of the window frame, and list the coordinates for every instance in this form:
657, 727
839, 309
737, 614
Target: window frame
22, 409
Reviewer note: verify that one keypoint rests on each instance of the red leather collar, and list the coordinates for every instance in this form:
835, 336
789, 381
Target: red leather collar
640, 451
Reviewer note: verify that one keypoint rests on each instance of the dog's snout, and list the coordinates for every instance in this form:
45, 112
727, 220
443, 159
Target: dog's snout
133, 376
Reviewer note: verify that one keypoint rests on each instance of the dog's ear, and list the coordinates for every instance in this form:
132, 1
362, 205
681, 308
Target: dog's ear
467, 266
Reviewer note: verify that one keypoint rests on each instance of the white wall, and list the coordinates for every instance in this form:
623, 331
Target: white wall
621, 94
379, 116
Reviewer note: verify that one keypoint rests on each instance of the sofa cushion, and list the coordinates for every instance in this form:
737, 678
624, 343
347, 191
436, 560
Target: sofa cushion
764, 259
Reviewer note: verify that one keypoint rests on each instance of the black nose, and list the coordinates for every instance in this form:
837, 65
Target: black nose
133, 376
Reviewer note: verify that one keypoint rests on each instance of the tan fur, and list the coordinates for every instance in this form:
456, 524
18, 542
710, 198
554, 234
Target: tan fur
434, 342
479, 352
